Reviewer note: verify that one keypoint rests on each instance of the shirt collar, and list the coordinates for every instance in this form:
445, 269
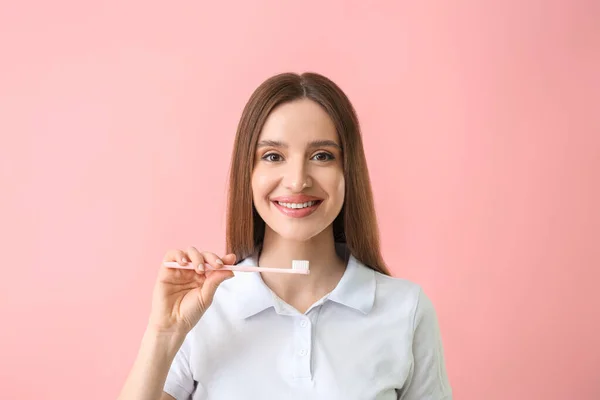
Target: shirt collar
251, 292
356, 289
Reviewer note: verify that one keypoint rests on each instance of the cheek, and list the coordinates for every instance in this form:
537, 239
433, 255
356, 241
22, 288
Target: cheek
335, 184
262, 184
341, 189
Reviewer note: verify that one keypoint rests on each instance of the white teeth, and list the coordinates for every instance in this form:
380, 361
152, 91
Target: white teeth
297, 205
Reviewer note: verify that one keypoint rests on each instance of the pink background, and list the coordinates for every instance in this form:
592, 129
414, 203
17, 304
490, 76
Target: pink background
482, 134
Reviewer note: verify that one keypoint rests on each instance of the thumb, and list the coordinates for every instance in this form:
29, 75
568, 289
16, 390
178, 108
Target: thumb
212, 282
229, 258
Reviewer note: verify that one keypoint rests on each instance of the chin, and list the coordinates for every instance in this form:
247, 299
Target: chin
293, 232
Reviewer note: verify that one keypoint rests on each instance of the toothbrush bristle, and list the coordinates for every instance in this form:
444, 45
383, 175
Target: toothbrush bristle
300, 264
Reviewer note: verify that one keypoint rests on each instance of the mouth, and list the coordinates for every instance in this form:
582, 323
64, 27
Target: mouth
297, 210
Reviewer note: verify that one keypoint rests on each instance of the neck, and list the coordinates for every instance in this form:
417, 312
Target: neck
301, 291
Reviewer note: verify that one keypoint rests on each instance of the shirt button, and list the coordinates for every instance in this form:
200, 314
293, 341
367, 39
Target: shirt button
303, 352
303, 323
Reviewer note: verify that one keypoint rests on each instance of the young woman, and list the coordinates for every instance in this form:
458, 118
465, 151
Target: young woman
299, 190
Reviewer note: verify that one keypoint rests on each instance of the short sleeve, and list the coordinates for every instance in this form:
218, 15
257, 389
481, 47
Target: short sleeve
428, 379
180, 383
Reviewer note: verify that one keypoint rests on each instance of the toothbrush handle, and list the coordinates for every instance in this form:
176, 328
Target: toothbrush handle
240, 268
248, 268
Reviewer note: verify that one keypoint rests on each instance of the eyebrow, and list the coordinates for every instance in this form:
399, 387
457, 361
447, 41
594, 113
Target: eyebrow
316, 143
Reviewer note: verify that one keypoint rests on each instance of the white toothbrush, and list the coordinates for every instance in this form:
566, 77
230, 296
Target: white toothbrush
298, 267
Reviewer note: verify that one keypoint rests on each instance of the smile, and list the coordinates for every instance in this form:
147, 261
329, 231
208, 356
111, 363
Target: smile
297, 205
297, 210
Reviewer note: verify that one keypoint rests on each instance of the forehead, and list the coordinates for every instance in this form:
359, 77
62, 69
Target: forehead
299, 121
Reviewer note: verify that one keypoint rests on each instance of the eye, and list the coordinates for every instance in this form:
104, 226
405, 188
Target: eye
271, 157
323, 156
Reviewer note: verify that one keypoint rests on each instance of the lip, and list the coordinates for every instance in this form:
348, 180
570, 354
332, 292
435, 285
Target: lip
297, 198
296, 212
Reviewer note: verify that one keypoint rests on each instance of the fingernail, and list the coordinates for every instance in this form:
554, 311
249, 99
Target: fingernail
219, 261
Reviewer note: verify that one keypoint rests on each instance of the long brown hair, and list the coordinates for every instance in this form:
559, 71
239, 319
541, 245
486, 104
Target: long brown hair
356, 225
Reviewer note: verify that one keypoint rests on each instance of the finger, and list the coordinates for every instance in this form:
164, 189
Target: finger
211, 284
229, 259
167, 274
212, 259
196, 258
178, 256
174, 255
184, 259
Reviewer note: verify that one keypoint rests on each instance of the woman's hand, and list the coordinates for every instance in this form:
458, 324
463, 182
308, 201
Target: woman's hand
182, 296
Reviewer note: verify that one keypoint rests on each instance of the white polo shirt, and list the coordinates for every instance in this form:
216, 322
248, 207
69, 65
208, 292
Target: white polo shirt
372, 337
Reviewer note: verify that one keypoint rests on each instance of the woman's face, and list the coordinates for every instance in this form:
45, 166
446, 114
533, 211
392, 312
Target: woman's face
298, 179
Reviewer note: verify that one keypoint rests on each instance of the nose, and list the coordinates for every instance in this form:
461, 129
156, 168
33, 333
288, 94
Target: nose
297, 176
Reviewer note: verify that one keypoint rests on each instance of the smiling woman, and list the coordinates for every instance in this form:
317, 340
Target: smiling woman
299, 189
307, 127
298, 160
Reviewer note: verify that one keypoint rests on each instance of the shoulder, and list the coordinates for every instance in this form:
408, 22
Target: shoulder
402, 296
396, 290
392, 284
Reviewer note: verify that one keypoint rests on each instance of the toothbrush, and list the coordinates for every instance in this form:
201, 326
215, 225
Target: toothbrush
298, 267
